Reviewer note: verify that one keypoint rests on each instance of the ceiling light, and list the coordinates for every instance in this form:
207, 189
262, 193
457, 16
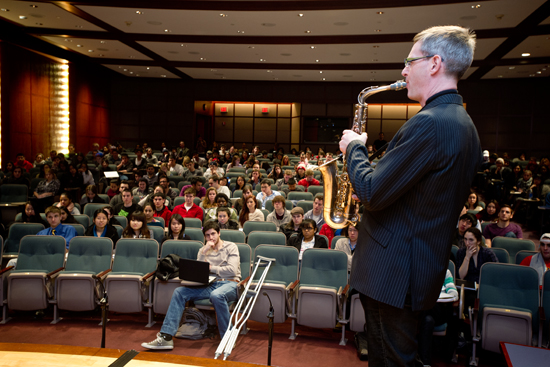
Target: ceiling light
223, 15
22, 17
203, 59
307, 31
269, 71
262, 60
162, 75
131, 72
375, 46
378, 30
323, 79
250, 46
125, 69
316, 60
512, 67
101, 41
147, 67
39, 24
90, 50
138, 12
101, 55
321, 72
379, 12
300, 15
132, 57
500, 76
213, 70
312, 47
182, 45
525, 54
476, 6
539, 72
79, 26
240, 31
33, 6
4, 9
531, 74
166, 30
78, 45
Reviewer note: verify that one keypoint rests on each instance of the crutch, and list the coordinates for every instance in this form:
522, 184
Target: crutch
240, 317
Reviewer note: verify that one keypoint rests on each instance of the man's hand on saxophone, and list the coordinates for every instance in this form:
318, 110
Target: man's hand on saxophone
348, 136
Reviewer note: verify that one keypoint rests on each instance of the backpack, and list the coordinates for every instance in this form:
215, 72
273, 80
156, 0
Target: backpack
168, 267
196, 325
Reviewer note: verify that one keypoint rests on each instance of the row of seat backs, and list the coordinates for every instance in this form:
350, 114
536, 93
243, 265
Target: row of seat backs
83, 218
509, 250
10, 193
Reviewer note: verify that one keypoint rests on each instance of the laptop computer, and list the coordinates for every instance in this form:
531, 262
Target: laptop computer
195, 273
111, 174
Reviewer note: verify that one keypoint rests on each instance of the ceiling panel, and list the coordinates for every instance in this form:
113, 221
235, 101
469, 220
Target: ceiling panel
490, 14
98, 48
537, 46
42, 15
142, 71
519, 71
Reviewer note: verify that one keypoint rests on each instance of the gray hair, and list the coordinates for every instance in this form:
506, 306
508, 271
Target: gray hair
454, 44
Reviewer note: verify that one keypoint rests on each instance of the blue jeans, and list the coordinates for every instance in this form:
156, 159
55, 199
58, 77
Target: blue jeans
219, 293
391, 333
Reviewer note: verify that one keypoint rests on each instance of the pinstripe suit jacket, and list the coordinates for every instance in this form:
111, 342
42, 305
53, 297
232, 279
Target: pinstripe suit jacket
412, 201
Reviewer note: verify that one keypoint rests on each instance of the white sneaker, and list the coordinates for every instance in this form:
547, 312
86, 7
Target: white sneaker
159, 343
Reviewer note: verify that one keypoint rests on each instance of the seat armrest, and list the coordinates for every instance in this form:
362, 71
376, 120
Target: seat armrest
103, 273
243, 282
5, 270
52, 273
293, 285
461, 304
146, 277
542, 320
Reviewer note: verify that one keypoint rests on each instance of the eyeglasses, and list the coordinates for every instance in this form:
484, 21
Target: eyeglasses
308, 228
409, 60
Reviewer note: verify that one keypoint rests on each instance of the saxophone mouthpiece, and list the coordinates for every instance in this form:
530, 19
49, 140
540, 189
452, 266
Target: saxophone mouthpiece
398, 85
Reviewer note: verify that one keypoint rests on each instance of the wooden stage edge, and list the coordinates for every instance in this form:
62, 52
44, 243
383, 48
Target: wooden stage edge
116, 353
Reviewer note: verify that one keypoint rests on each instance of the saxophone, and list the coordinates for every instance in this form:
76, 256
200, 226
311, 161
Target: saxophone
339, 208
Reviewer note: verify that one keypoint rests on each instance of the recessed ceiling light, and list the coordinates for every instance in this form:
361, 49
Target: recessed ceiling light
78, 45
307, 31
316, 60
476, 6
79, 26
378, 30
375, 46
22, 17
182, 45
90, 50
125, 69
100, 55
269, 71
162, 75
500, 76
203, 59
250, 46
312, 47
137, 74
323, 79
131, 72
147, 67
138, 12
101, 41
213, 70
539, 72
321, 72
223, 15
300, 15
531, 74
120, 67
240, 31
379, 12
33, 6
4, 9
166, 30
262, 60
512, 67
525, 54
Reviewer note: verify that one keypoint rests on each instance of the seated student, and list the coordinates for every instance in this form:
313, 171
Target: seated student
250, 212
174, 169
241, 202
127, 206
307, 239
66, 216
29, 215
293, 226
87, 176
255, 177
348, 244
224, 222
189, 209
125, 167
91, 197
473, 202
292, 187
166, 190
240, 183
280, 215
191, 169
114, 188
161, 210
317, 212
541, 261
149, 198
142, 189
53, 215
112, 220
67, 202
23, 163
472, 256
466, 221
309, 180
196, 184
503, 227
117, 199
101, 228
440, 314
276, 174
140, 163
213, 169
523, 185
490, 213
224, 260
45, 192
150, 157
209, 200
214, 182
151, 176
149, 211
17, 178
300, 172
137, 226
267, 193
221, 201
176, 229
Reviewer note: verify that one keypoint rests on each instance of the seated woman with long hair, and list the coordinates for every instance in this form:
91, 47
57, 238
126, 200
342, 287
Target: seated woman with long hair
241, 203
45, 192
473, 202
307, 238
250, 212
490, 213
240, 183
137, 226
176, 229
66, 201
209, 200
87, 176
149, 211
101, 228
66, 216
276, 173
91, 196
30, 216
236, 162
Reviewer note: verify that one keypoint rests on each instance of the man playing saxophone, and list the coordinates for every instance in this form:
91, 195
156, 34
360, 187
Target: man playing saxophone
403, 249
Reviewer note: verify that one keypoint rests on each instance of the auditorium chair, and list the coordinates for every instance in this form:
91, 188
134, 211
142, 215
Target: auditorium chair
258, 226
256, 238
232, 235
512, 245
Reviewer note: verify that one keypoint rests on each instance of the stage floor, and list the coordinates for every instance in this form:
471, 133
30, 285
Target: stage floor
23, 355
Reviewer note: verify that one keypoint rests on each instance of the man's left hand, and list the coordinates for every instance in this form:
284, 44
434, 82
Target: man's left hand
348, 136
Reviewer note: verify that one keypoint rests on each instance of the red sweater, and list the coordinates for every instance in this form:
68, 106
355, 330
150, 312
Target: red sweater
194, 212
165, 214
26, 165
305, 183
327, 231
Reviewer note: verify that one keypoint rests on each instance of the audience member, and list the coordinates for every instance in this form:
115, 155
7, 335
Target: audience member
503, 227
114, 188
223, 220
250, 212
127, 207
240, 183
53, 216
17, 178
23, 163
142, 189
307, 238
66, 216
466, 221
196, 184
293, 226
45, 192
214, 182
170, 194
241, 202
149, 212
39, 160
161, 210
473, 202
101, 228
176, 228
317, 212
224, 260
29, 215
280, 215
348, 244
137, 226
284, 181
267, 193
490, 213
189, 209
471, 257
151, 176
213, 170
175, 169
221, 201
309, 180
150, 158
139, 163
541, 261
209, 200
117, 199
